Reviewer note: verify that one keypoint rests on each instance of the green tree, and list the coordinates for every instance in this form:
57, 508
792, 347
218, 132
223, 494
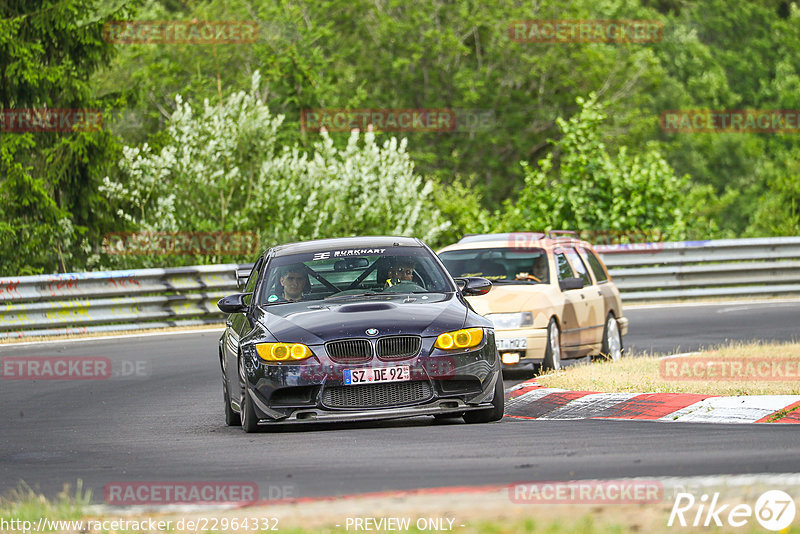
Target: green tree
49, 206
393, 54
220, 168
580, 186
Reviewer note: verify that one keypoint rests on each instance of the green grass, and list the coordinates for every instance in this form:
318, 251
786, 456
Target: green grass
780, 414
25, 504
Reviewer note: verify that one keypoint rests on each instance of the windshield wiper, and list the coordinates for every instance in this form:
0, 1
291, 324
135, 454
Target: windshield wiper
365, 294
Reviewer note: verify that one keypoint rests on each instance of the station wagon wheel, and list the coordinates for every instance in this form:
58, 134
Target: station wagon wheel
612, 340
552, 355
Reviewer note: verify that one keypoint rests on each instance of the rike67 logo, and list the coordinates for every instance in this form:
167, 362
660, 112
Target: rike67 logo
774, 510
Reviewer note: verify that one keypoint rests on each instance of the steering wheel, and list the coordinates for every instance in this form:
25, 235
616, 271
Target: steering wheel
418, 280
527, 277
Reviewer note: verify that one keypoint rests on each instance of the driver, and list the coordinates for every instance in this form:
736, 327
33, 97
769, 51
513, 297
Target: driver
294, 280
401, 270
538, 272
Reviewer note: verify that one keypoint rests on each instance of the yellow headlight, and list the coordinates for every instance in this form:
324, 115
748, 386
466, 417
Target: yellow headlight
281, 352
460, 339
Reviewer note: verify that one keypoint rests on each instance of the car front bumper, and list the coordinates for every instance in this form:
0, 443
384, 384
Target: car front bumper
536, 342
321, 415
314, 391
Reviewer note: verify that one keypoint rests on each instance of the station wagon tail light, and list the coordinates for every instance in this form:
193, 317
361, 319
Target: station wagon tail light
283, 352
460, 339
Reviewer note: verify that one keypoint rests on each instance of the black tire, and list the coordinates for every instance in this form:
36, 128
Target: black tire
231, 418
495, 413
249, 418
552, 355
612, 340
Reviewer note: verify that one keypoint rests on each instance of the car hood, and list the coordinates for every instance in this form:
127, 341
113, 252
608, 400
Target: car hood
506, 298
321, 321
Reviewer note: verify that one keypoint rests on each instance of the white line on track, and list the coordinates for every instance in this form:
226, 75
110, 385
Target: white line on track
697, 485
681, 355
106, 338
628, 307
698, 304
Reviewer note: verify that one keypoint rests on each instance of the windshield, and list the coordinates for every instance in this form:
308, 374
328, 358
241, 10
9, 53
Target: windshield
352, 273
500, 265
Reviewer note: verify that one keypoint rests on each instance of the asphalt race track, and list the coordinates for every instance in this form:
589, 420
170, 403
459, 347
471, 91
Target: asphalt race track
689, 328
165, 423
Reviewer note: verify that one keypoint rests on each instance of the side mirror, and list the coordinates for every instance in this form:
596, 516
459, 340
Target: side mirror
570, 283
472, 286
233, 303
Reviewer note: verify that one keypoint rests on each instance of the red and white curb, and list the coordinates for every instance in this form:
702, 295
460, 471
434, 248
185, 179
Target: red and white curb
530, 400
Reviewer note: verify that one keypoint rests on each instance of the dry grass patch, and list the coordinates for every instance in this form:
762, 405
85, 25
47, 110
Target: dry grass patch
733, 369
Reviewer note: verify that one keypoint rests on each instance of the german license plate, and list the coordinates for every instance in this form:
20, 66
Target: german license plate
512, 343
376, 375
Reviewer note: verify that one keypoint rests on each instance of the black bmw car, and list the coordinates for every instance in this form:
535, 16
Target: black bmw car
355, 329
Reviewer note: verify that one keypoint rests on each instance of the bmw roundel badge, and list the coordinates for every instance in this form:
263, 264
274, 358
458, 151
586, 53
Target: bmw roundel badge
372, 331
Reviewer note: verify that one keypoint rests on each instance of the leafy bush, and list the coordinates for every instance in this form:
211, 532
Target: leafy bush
580, 186
220, 169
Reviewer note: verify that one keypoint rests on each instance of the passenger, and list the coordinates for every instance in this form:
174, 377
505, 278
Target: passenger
401, 270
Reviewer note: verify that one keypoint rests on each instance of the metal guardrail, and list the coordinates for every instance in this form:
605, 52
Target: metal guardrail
80, 303
698, 269
156, 298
